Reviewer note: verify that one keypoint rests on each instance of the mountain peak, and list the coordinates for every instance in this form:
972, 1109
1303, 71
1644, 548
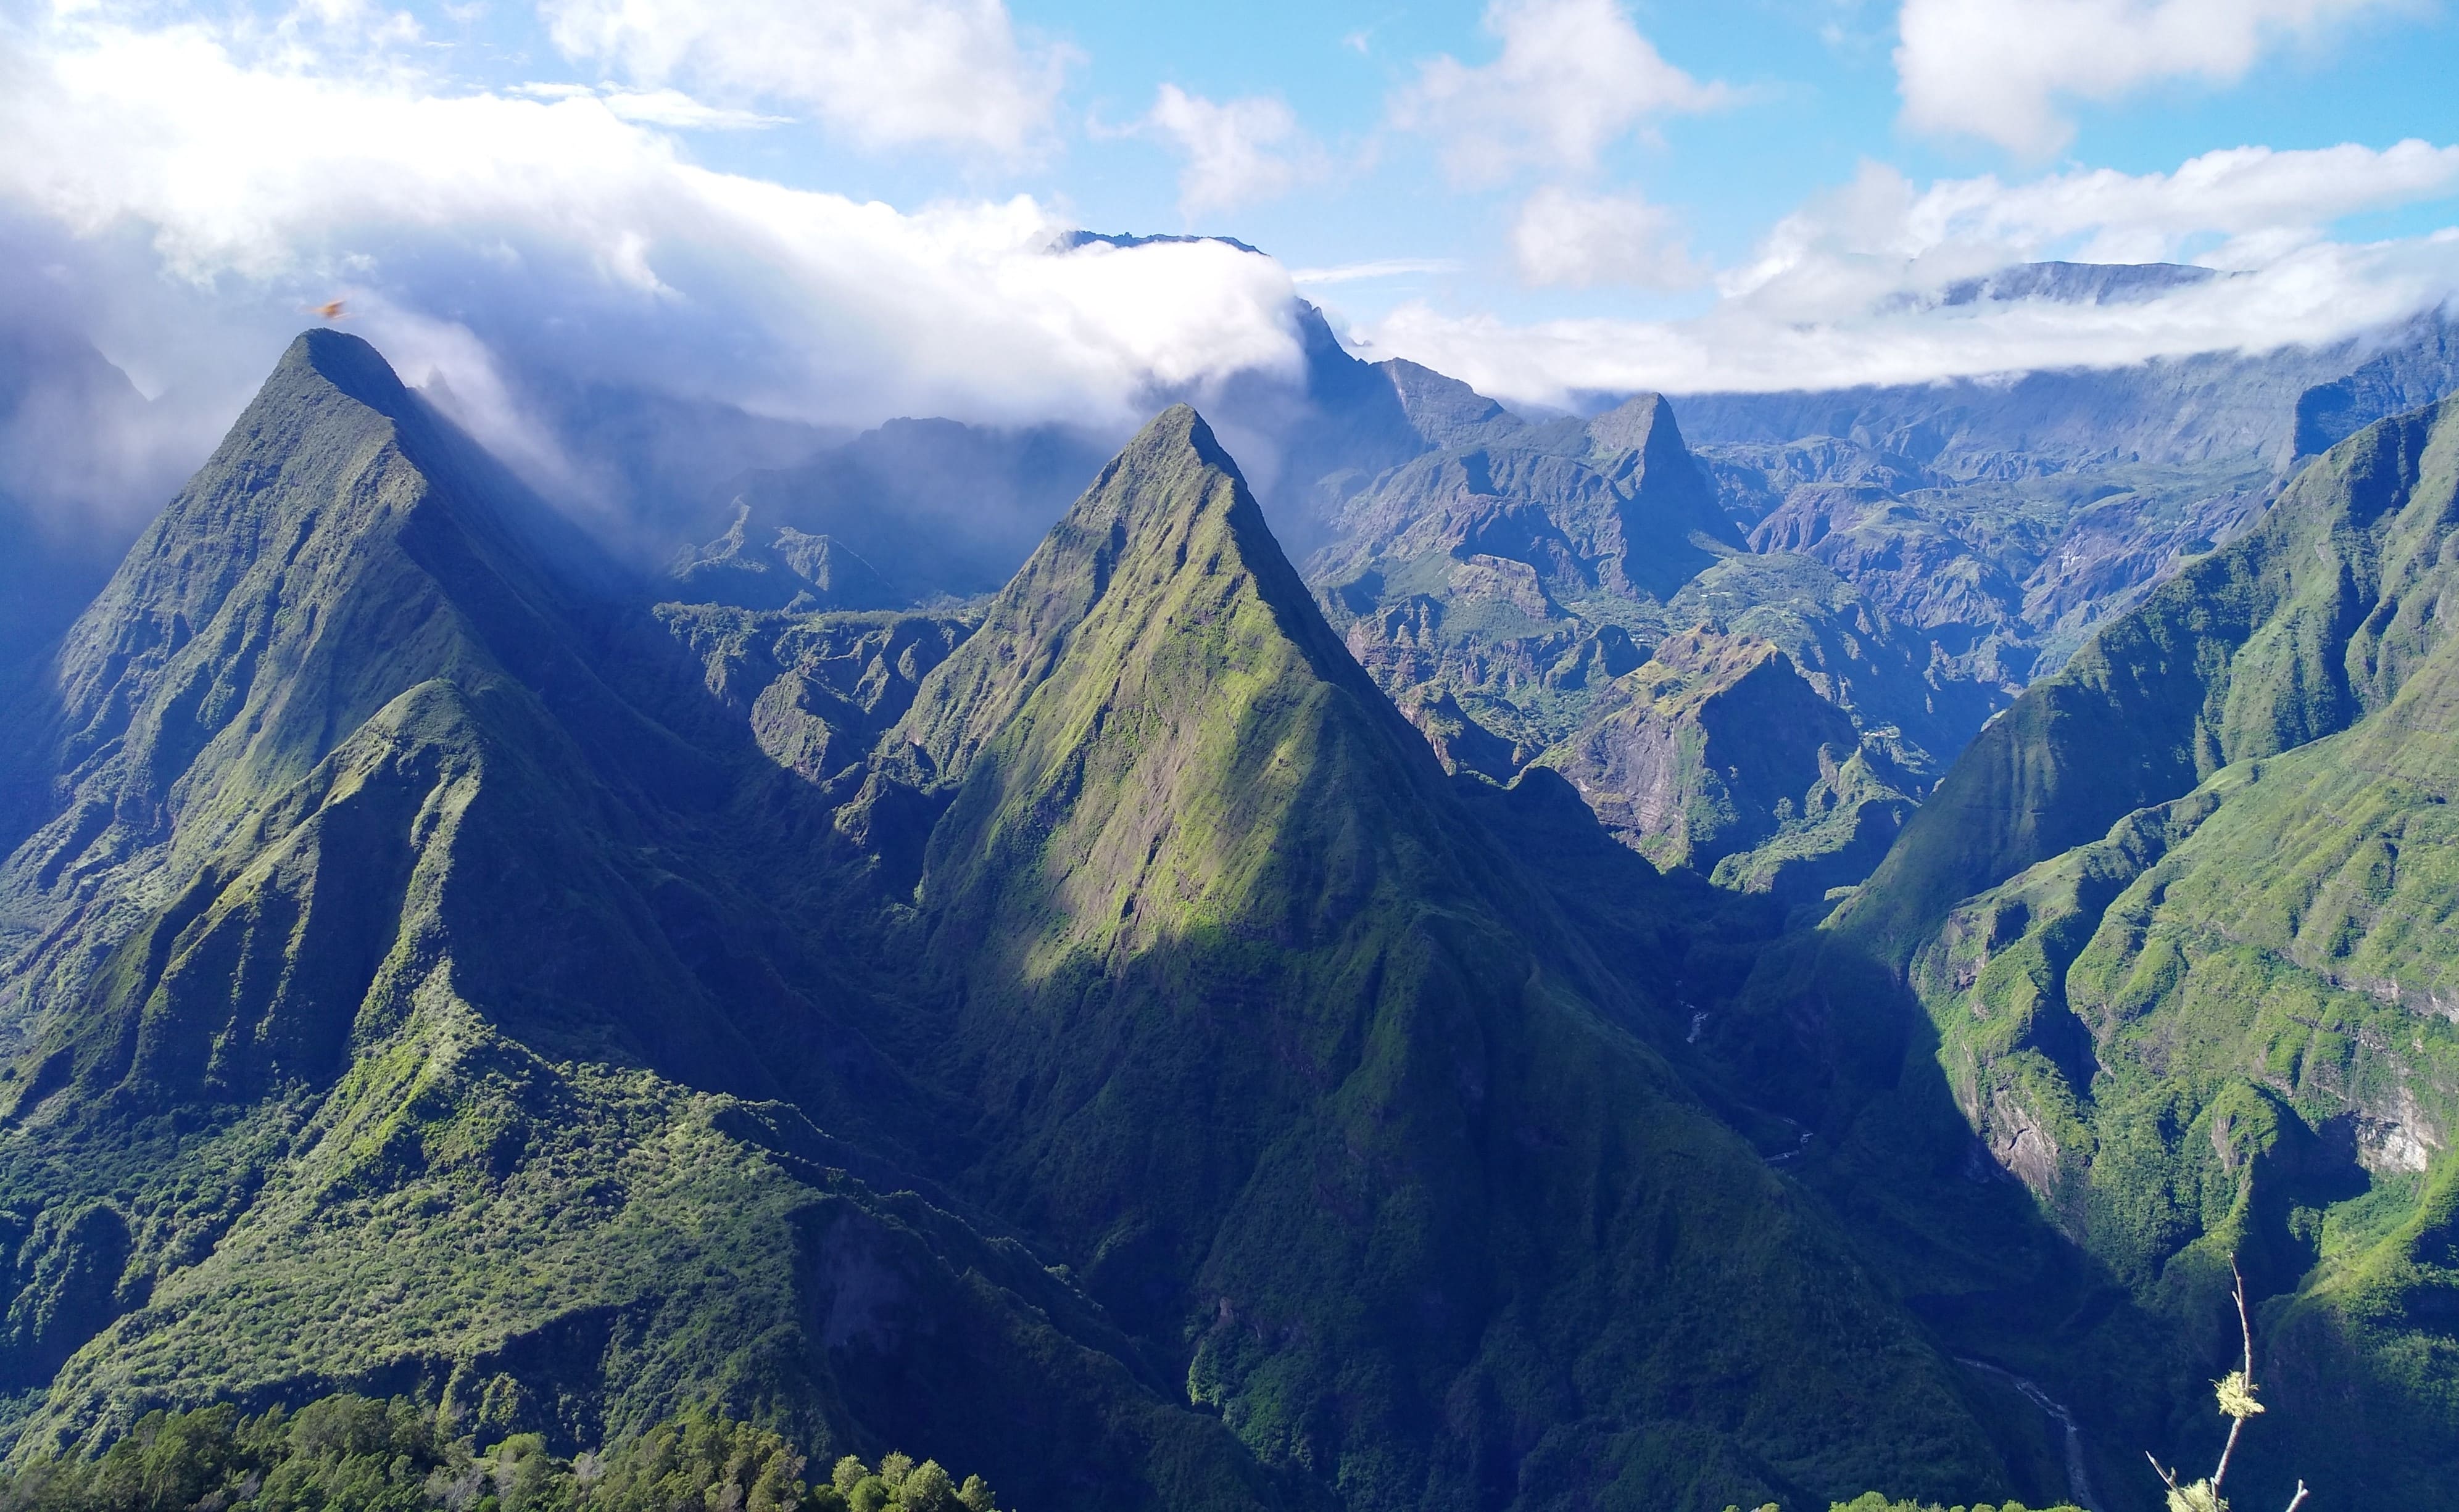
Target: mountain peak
1274, 1035
1169, 509
1179, 427
1444, 411
1643, 423
346, 363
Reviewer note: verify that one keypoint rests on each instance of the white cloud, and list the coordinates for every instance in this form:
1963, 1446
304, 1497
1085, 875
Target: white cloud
1579, 240
1378, 268
511, 242
1999, 68
885, 72
2256, 203
670, 108
1237, 152
1841, 292
1573, 78
2317, 296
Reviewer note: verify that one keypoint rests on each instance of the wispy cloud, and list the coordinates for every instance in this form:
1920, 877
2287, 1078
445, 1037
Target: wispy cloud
670, 108
1823, 300
1238, 152
2003, 68
1580, 240
2321, 295
1381, 268
1572, 78
885, 72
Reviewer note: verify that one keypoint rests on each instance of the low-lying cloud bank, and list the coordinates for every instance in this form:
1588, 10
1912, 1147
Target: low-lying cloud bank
186, 209
1848, 290
1897, 330
183, 197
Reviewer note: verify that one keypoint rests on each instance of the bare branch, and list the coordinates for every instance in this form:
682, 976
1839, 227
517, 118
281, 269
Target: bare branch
2299, 1500
2166, 1479
2237, 1426
2245, 1327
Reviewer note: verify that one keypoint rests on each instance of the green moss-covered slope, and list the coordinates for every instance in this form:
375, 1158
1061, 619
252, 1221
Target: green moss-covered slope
2183, 922
426, 982
1261, 1029
2312, 620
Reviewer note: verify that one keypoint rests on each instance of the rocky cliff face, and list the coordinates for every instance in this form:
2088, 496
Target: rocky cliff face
1718, 756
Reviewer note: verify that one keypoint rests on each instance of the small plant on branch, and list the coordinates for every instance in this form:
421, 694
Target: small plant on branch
2238, 1404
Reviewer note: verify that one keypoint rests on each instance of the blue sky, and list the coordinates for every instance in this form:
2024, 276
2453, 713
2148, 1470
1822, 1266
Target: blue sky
838, 209
1817, 93
1814, 91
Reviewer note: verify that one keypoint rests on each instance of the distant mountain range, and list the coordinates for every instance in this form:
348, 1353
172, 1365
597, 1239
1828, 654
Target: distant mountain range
1916, 556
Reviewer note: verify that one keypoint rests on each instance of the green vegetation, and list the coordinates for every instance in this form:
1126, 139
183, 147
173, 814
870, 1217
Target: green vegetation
355, 1454
384, 995
1102, 1036
1254, 895
2181, 927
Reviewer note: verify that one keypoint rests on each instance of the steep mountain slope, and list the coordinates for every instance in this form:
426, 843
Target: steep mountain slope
1263, 1032
428, 972
2412, 368
2182, 920
81, 463
2291, 634
383, 1001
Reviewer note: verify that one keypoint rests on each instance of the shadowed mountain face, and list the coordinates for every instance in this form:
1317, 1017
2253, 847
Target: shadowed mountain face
1195, 873
2184, 921
428, 971
913, 510
79, 470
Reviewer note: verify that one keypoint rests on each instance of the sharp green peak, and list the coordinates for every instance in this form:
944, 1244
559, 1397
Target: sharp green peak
1171, 501
1268, 1035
